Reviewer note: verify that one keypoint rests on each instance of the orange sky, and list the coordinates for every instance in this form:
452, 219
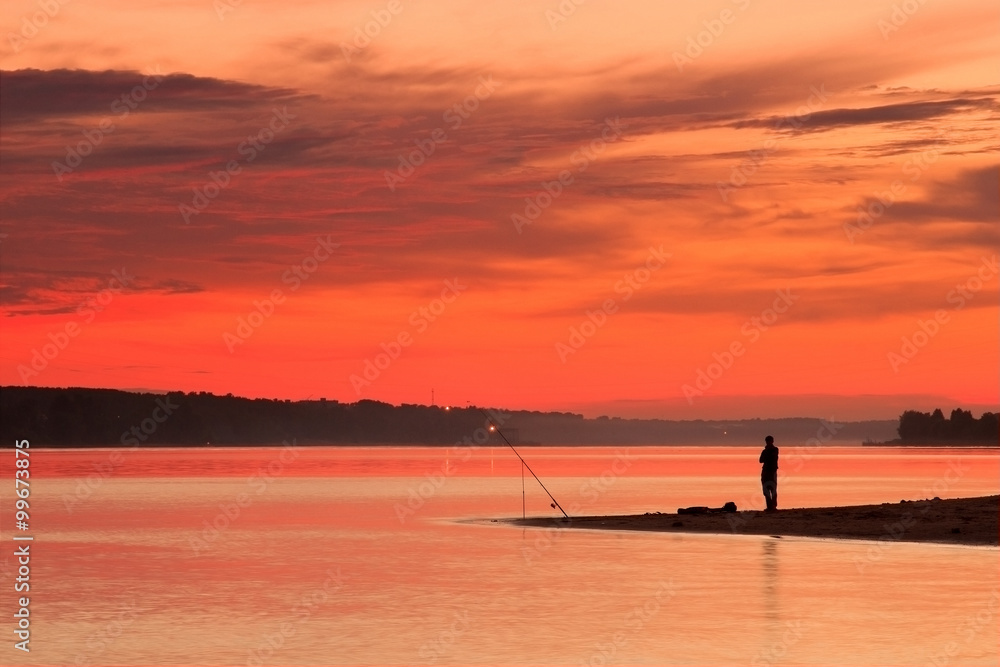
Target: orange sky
713, 157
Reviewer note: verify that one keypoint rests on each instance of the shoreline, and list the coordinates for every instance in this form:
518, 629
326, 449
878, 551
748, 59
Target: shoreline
967, 521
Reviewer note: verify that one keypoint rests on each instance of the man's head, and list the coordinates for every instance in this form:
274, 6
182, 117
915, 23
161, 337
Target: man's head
769, 440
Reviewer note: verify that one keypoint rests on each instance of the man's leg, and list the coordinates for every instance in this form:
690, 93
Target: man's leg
770, 493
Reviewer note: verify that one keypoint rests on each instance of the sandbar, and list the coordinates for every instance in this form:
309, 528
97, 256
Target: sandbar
970, 521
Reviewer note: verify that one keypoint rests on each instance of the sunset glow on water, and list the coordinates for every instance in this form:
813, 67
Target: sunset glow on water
361, 556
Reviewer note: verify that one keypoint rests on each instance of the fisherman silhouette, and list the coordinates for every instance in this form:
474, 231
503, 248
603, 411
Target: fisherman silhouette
769, 473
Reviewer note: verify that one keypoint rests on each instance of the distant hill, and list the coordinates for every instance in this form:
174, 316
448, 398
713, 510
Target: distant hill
79, 417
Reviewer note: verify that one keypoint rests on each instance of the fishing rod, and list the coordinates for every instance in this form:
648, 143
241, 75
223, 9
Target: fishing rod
525, 464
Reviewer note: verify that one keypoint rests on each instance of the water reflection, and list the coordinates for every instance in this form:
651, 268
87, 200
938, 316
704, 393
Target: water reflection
324, 548
769, 565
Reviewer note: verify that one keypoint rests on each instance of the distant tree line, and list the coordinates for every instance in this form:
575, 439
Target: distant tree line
80, 417
933, 427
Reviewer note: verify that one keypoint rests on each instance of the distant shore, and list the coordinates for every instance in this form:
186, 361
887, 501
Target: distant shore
971, 521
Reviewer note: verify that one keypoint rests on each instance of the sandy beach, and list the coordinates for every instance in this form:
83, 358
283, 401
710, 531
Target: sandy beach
972, 521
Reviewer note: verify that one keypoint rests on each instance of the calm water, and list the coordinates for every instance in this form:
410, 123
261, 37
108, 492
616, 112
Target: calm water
368, 556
